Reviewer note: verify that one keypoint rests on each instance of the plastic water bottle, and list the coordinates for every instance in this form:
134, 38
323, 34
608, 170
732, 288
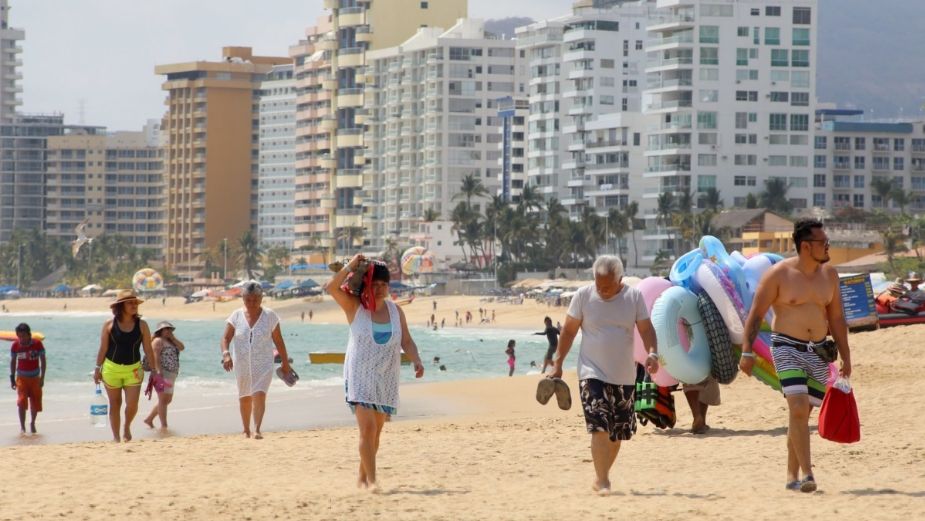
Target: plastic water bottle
99, 409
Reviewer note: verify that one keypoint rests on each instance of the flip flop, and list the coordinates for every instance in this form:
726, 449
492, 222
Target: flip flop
808, 484
563, 394
545, 389
289, 379
793, 485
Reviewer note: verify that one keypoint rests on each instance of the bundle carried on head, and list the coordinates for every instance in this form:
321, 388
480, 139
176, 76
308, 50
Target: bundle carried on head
359, 282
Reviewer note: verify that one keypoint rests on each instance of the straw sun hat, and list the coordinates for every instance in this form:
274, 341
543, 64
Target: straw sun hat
124, 296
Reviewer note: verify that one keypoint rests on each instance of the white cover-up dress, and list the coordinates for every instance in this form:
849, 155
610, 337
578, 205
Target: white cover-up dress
252, 351
371, 370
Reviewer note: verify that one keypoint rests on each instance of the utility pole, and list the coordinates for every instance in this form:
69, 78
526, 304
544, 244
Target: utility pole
19, 269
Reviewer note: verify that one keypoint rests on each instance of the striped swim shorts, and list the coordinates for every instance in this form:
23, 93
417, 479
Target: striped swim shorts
800, 369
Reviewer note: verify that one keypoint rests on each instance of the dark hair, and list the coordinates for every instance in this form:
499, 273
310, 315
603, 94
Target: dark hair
117, 311
548, 320
381, 271
23, 328
511, 343
803, 229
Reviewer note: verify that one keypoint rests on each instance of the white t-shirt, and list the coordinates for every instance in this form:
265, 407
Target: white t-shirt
606, 352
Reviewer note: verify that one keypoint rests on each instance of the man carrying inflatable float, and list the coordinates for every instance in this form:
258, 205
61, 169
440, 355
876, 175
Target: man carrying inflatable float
717, 307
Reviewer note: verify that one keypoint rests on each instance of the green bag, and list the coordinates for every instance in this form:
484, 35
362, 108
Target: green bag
646, 395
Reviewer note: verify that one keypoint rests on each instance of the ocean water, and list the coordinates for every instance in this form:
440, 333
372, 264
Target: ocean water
73, 339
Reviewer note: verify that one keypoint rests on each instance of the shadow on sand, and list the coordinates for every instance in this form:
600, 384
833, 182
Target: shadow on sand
423, 491
883, 492
719, 432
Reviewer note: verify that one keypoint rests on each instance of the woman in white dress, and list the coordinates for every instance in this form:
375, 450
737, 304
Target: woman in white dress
378, 335
253, 331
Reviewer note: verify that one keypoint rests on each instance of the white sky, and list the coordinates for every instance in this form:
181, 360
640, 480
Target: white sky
103, 52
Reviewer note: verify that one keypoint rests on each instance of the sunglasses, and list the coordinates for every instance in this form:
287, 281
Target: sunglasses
825, 242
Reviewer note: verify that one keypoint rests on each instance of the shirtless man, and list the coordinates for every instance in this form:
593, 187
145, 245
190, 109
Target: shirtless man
804, 293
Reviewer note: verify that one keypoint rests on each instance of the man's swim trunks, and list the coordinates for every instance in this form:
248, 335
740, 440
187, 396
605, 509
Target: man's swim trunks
800, 369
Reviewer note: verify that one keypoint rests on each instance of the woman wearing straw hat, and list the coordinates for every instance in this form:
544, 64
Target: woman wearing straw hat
167, 348
118, 361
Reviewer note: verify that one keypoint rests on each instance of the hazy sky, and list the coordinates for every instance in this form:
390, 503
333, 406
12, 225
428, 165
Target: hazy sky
103, 52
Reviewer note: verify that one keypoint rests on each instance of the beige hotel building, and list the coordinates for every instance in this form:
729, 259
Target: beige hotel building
210, 160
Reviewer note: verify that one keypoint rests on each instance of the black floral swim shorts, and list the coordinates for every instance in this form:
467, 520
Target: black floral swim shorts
608, 408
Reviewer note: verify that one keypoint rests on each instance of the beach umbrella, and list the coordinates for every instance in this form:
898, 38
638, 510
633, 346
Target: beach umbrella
286, 284
61, 288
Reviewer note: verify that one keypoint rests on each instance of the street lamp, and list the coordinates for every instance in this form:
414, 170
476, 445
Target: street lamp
225, 269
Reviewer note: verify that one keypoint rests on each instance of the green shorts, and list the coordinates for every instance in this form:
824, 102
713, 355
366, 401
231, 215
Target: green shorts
117, 376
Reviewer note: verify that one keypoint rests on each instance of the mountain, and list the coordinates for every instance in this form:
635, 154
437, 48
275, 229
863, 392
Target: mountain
505, 26
870, 56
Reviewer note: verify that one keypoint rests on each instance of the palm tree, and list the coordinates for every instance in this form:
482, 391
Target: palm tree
350, 235
617, 228
471, 187
431, 215
530, 198
751, 201
774, 197
250, 253
712, 200
630, 212
665, 208
883, 187
684, 218
902, 199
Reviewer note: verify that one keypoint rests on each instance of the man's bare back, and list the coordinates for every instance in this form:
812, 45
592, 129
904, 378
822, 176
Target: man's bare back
800, 299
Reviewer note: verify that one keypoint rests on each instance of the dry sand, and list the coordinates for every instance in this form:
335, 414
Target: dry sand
503, 456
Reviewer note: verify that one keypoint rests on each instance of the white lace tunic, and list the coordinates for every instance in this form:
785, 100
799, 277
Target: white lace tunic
371, 370
252, 351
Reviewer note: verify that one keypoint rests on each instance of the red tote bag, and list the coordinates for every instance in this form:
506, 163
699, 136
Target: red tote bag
838, 418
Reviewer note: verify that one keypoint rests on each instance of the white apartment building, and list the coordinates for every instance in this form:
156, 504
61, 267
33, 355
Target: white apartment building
10, 62
731, 92
113, 182
276, 158
582, 66
432, 120
849, 155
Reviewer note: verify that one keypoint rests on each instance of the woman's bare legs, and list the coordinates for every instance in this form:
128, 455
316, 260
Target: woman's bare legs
370, 424
131, 409
115, 412
245, 404
260, 406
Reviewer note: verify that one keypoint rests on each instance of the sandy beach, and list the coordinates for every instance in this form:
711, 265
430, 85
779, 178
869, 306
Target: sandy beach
491, 452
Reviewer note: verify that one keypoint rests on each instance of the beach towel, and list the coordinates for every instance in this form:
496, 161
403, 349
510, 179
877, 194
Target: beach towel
838, 417
654, 404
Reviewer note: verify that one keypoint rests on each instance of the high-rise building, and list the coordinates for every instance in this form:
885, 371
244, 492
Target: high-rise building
211, 153
22, 171
330, 75
730, 97
10, 62
852, 157
512, 116
276, 169
112, 182
431, 120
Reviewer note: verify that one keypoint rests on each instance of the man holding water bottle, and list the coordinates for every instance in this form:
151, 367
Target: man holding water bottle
27, 374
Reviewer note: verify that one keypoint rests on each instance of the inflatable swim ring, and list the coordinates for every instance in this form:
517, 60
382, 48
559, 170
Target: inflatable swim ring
11, 336
724, 295
683, 270
674, 305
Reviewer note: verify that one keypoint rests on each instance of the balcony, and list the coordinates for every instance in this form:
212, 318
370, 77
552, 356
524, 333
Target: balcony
348, 138
681, 19
348, 181
669, 63
326, 43
364, 34
351, 16
349, 98
351, 57
669, 105
679, 39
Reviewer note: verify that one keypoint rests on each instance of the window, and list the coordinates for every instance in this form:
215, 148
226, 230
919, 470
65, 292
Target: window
819, 162
800, 37
860, 143
859, 181
709, 34
818, 180
819, 200
802, 15
800, 58
743, 31
707, 138
606, 64
898, 163
756, 11
709, 96
742, 57
799, 122
799, 79
772, 36
772, 10
709, 74
799, 99
899, 144
859, 163
797, 182
746, 74
777, 139
741, 119
746, 95
746, 159
843, 181
780, 97
777, 160
777, 76
779, 58
778, 122
706, 160
858, 200
756, 36
706, 120
709, 56
606, 100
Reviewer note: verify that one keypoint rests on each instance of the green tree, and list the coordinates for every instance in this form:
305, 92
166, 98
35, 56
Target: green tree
630, 212
348, 236
774, 196
883, 188
251, 251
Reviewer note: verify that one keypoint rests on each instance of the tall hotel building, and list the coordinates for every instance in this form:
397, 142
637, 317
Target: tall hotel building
582, 67
114, 182
10, 61
730, 101
211, 154
432, 120
331, 82
276, 168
